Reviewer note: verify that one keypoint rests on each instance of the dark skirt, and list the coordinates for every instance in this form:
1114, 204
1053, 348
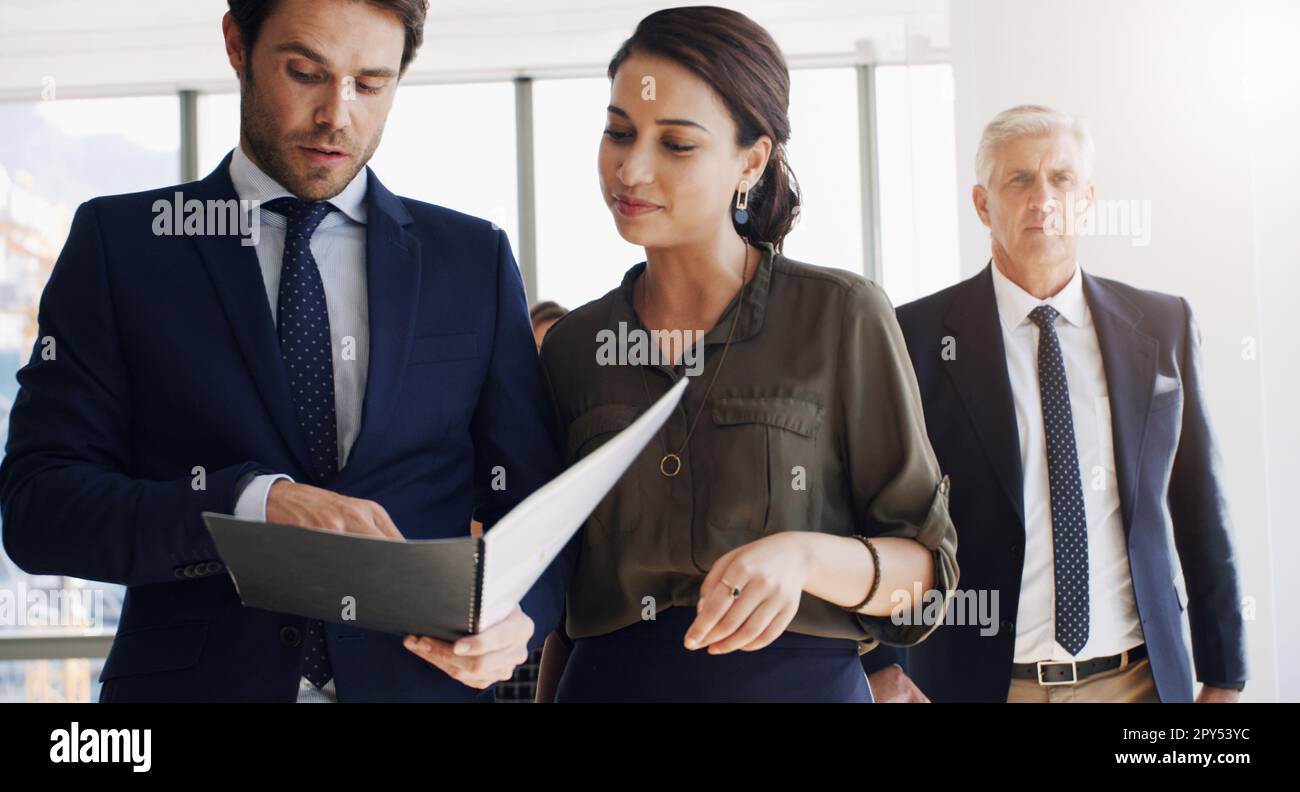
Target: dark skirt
646, 662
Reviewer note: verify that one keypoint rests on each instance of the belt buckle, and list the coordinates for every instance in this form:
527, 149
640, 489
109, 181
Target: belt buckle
1074, 668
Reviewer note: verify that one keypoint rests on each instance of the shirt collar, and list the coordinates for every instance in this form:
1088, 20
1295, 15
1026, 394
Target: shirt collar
253, 184
747, 324
1015, 304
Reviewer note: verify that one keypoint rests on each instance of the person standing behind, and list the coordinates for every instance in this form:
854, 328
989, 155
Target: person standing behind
544, 315
1069, 411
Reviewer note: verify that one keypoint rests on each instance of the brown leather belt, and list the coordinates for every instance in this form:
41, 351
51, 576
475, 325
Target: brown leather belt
1069, 672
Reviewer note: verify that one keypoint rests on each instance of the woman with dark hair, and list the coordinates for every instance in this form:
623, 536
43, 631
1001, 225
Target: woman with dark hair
791, 512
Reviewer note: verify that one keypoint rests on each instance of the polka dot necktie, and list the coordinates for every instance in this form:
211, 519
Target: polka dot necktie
1069, 522
304, 326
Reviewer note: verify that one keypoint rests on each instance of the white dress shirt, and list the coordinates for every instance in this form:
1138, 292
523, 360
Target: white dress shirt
1114, 625
339, 247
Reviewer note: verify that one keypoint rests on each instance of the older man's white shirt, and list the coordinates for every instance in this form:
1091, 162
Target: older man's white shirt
1114, 625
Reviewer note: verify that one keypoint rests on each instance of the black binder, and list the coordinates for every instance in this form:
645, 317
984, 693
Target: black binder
431, 587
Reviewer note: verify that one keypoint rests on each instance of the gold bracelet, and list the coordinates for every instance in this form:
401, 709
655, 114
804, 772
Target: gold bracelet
875, 580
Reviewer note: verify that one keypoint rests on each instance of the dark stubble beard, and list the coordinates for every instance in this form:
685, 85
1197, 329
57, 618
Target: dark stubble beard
272, 154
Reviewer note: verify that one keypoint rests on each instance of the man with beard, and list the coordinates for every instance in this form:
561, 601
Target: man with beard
365, 364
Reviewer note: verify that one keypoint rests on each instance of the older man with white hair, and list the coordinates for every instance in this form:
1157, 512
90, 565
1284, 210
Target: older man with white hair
1068, 411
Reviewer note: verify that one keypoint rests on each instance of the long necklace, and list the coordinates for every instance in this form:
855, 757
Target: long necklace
670, 464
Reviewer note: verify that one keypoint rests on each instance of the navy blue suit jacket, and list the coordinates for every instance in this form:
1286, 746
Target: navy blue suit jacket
1166, 462
167, 360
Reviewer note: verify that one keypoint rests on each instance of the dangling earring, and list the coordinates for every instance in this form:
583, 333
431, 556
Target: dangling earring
741, 215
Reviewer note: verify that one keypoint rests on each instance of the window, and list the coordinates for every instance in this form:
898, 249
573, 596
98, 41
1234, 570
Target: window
824, 155
451, 145
454, 145
218, 123
580, 255
918, 180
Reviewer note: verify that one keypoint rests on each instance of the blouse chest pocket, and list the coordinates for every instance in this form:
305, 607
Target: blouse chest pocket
621, 508
765, 464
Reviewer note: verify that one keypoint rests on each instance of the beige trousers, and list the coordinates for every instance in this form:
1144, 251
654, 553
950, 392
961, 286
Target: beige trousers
1130, 683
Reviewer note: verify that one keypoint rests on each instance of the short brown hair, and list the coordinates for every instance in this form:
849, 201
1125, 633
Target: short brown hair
250, 14
547, 311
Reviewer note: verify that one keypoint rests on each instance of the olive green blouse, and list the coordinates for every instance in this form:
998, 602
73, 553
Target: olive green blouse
813, 424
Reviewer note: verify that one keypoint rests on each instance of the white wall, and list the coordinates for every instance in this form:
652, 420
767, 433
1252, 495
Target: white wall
1273, 95
1163, 85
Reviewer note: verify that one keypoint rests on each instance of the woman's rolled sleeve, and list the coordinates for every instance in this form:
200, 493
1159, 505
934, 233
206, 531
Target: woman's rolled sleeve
897, 489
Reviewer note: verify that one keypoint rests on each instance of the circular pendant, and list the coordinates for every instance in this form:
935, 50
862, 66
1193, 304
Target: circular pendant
670, 465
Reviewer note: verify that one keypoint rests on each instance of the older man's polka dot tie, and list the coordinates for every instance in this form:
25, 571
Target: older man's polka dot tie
304, 325
1069, 522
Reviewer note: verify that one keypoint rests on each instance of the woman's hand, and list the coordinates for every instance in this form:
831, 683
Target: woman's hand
770, 574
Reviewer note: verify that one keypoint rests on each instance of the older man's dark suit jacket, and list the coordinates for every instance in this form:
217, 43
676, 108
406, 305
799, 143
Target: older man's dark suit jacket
1170, 487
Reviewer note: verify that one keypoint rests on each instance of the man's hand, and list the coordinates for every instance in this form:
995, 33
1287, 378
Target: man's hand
891, 685
479, 660
1214, 695
289, 503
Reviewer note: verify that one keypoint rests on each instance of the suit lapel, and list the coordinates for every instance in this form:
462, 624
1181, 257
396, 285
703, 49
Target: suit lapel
979, 373
237, 278
1129, 358
393, 289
